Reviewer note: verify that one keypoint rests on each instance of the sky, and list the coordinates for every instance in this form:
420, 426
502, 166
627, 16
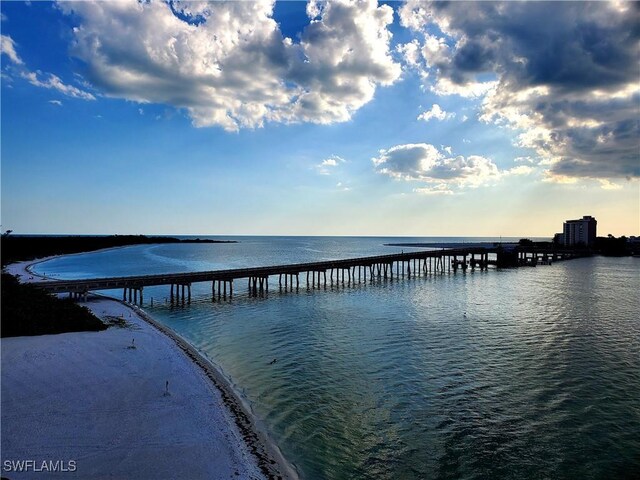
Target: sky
320, 118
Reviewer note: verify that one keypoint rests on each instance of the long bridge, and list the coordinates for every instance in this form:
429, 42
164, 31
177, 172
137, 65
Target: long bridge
349, 270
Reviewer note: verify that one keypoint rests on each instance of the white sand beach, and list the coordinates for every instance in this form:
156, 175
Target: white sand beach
100, 400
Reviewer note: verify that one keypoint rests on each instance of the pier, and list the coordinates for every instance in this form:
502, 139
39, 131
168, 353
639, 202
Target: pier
315, 274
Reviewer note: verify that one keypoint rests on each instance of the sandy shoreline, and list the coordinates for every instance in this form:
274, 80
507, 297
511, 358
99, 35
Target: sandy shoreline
107, 409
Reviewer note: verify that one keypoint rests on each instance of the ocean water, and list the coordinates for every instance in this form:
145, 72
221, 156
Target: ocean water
498, 374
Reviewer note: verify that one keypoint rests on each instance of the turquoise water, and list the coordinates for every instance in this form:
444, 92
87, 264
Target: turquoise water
523, 373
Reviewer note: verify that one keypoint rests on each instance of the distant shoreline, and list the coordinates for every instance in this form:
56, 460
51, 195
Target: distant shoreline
16, 248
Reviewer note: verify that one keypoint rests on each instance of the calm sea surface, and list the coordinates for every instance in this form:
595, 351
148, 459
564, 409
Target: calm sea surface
522, 373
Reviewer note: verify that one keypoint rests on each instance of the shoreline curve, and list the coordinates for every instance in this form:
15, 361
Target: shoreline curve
265, 451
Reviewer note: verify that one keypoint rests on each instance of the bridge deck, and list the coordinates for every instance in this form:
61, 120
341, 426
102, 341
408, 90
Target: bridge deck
138, 281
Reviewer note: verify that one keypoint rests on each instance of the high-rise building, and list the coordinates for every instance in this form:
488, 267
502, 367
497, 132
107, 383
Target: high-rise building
580, 232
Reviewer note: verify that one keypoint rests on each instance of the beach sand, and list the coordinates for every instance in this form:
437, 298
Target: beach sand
92, 399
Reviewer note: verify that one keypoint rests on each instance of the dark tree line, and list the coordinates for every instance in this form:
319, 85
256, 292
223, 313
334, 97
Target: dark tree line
27, 310
612, 246
22, 247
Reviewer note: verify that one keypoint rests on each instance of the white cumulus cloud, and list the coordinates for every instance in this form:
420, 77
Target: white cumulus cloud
425, 163
325, 167
562, 75
435, 112
228, 64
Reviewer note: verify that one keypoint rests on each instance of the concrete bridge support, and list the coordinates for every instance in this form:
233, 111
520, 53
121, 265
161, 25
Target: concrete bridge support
130, 294
82, 296
258, 285
182, 293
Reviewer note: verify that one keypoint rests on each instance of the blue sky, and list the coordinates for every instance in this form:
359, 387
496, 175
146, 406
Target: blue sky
338, 118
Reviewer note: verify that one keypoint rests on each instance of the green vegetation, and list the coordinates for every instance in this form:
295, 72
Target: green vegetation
27, 310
